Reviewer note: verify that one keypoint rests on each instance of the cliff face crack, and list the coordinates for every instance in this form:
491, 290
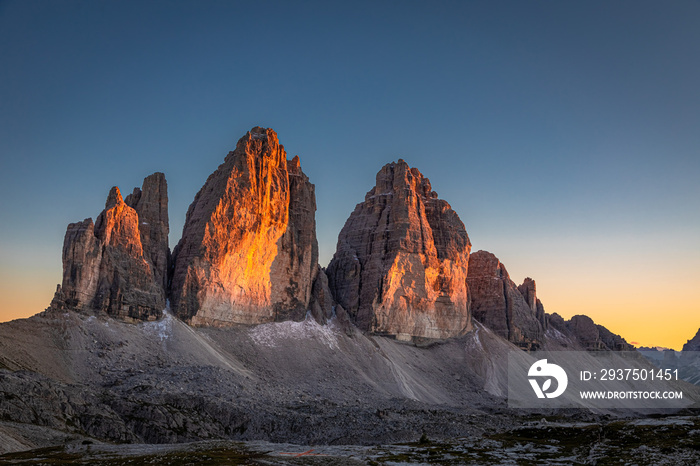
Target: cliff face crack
509, 312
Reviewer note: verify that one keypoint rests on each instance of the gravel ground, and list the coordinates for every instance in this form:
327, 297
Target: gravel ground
82, 386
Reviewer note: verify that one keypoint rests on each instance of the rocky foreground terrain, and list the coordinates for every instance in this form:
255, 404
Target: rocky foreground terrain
303, 382
663, 441
403, 340
83, 383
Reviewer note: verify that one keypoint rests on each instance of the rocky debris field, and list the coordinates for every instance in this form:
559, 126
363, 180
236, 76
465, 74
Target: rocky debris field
71, 380
166, 382
659, 441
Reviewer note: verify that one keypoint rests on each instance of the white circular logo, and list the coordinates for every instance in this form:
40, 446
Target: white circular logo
542, 370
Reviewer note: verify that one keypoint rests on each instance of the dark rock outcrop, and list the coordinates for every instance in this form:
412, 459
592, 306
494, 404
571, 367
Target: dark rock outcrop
118, 265
693, 344
322, 303
400, 266
529, 291
613, 341
516, 314
512, 312
151, 204
248, 252
588, 335
586, 332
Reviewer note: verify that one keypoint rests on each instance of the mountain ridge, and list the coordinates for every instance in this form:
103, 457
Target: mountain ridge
248, 255
405, 332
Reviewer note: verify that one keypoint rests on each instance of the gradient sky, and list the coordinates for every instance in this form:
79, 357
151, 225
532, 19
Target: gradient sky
565, 134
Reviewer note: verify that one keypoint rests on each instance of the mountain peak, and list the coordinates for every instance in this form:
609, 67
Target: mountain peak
248, 252
693, 344
118, 265
401, 263
114, 198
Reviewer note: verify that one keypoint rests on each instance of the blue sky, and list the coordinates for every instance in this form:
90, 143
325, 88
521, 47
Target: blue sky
565, 134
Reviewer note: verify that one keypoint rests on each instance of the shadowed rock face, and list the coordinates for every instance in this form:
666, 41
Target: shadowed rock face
515, 313
512, 312
586, 331
529, 291
248, 252
693, 344
587, 334
151, 204
118, 265
400, 266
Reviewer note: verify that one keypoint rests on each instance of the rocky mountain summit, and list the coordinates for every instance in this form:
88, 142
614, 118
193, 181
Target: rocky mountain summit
516, 314
119, 264
249, 255
513, 312
401, 262
693, 344
248, 252
586, 334
262, 342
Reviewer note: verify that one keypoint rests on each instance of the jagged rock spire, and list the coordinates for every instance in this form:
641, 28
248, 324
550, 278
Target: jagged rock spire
118, 264
400, 266
248, 252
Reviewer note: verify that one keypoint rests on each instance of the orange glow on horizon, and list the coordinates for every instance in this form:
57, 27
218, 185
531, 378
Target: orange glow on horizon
652, 303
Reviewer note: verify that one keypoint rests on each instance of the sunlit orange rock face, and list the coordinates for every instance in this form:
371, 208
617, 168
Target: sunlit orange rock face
400, 267
248, 252
118, 265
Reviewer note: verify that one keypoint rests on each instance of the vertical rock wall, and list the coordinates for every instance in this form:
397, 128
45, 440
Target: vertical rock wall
400, 266
248, 252
510, 311
118, 265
